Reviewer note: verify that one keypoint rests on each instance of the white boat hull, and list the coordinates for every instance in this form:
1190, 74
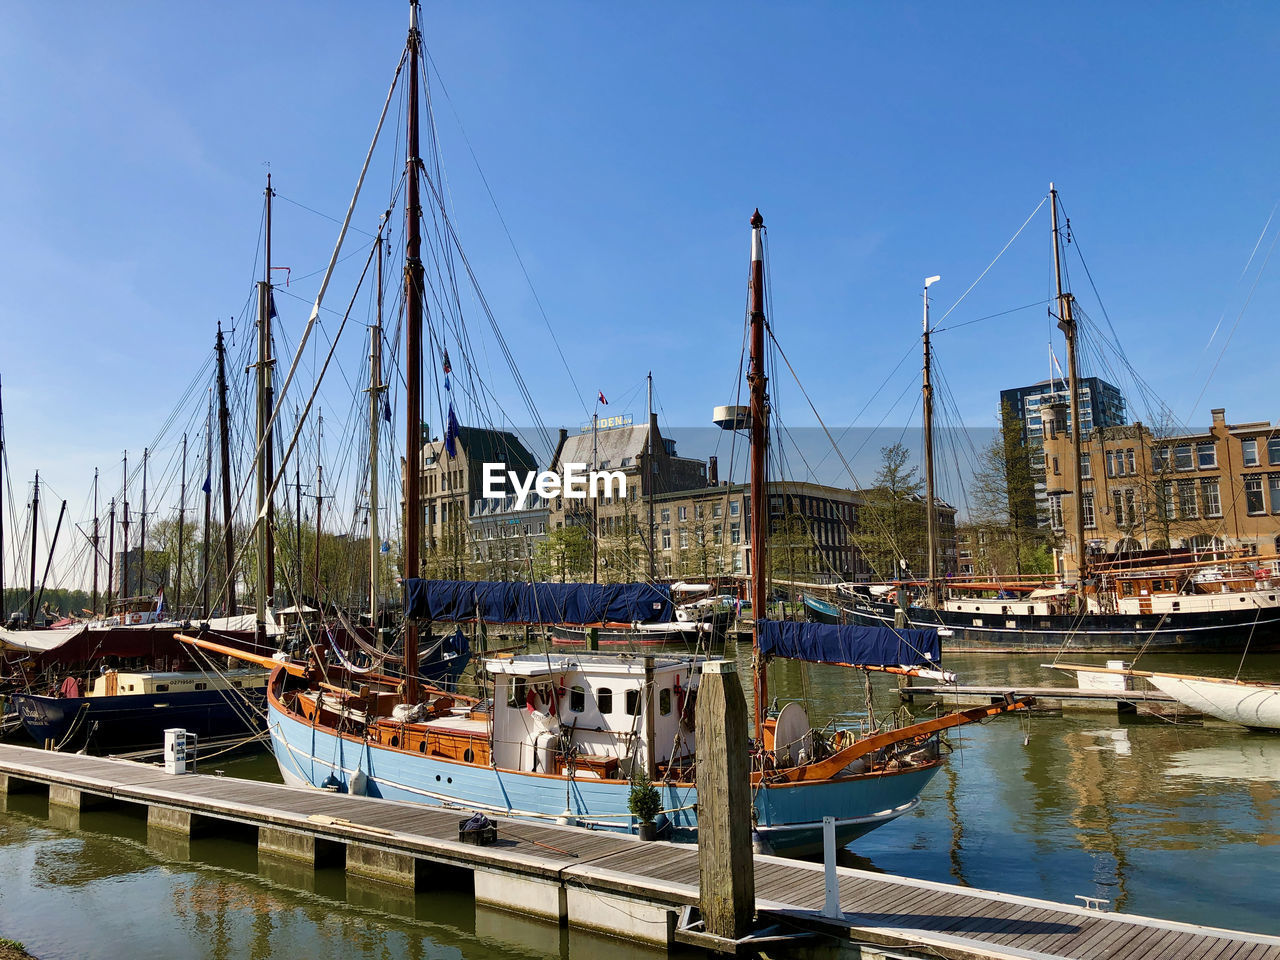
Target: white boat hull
1254, 705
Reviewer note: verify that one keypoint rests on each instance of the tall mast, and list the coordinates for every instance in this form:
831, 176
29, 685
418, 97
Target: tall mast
142, 539
96, 538
224, 445
757, 381
931, 507
319, 515
265, 523
111, 554
595, 513
375, 418
182, 518
124, 531
208, 507
648, 482
297, 520
35, 526
1067, 324
413, 355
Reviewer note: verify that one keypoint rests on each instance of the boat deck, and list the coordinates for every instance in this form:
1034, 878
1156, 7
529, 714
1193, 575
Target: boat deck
585, 869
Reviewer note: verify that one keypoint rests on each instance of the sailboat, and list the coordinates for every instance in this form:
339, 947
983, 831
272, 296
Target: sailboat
560, 736
1156, 609
1250, 703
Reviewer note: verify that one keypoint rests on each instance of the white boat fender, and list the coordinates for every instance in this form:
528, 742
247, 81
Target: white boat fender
359, 784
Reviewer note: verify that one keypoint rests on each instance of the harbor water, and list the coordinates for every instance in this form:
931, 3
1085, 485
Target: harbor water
1173, 821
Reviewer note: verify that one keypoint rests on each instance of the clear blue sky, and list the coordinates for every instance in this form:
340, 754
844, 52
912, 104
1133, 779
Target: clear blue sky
626, 147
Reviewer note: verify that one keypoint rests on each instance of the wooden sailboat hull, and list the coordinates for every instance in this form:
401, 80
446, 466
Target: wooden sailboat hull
1229, 631
789, 815
688, 634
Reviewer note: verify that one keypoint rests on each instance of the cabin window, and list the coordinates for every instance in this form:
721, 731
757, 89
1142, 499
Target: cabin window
1177, 605
633, 702
577, 698
604, 700
162, 688
664, 701
202, 686
237, 683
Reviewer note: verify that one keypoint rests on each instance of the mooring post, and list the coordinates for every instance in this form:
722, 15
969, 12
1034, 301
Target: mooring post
831, 904
726, 865
593, 638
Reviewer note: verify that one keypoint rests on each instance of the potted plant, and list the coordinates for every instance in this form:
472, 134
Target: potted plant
645, 803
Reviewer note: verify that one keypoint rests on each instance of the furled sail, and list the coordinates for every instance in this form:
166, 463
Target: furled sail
498, 602
849, 645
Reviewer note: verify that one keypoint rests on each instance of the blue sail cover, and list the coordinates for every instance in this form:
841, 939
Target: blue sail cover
829, 643
498, 602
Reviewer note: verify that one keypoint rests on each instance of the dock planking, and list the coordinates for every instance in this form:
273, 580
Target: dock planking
895, 911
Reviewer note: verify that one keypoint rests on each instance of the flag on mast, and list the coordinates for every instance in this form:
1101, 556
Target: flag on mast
603, 401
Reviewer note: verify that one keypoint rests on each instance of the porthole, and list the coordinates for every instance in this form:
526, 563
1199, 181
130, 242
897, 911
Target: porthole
395, 740
437, 778
468, 755
450, 780
422, 746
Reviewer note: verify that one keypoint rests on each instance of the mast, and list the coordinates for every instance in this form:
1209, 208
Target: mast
413, 355
264, 526
96, 539
111, 554
3, 611
53, 545
142, 539
1067, 324
297, 522
224, 445
595, 512
208, 507
182, 517
124, 532
757, 381
648, 482
931, 506
319, 510
375, 415
35, 526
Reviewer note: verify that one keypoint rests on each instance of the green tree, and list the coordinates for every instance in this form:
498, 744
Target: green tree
891, 525
1006, 527
565, 555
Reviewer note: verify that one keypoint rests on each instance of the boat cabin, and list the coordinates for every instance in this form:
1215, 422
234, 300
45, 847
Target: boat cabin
115, 683
606, 714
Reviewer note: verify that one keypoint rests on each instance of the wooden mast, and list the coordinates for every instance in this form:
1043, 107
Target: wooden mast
265, 523
96, 538
648, 482
375, 418
124, 532
931, 506
142, 537
182, 523
224, 448
111, 554
208, 507
1067, 324
413, 355
35, 526
757, 381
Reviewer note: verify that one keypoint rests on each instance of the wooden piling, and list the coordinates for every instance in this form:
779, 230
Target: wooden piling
726, 865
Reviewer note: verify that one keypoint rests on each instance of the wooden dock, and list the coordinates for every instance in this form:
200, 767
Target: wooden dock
607, 882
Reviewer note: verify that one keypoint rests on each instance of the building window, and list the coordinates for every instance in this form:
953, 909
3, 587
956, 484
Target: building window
1111, 463
1249, 451
1212, 498
1159, 459
1085, 473
666, 514
1055, 511
1187, 507
683, 513
684, 539
1253, 494
1273, 482
716, 511
1117, 499
604, 700
1055, 466
1182, 459
1273, 451
1167, 507
735, 532
1090, 520
1206, 456
1130, 500
666, 539
1129, 459
734, 506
